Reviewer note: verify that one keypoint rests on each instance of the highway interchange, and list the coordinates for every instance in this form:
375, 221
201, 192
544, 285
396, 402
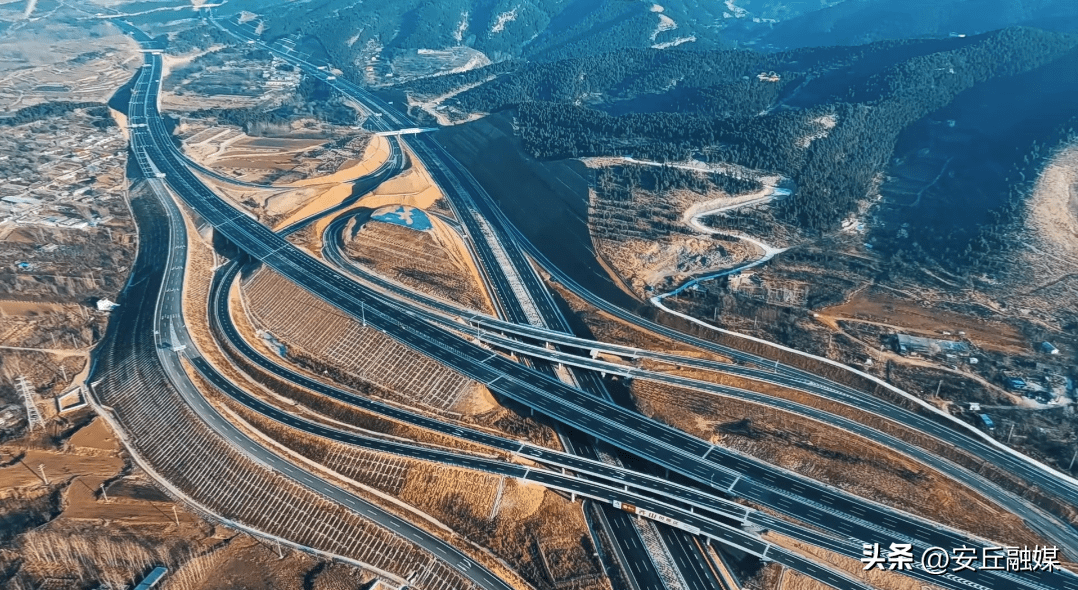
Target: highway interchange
851, 520
450, 316
156, 329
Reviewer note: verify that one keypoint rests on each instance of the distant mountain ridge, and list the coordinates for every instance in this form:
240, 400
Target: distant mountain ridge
385, 40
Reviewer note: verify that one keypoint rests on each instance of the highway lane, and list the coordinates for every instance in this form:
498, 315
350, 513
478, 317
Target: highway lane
676, 450
653, 581
450, 175
616, 516
654, 441
514, 304
167, 322
953, 432
516, 288
449, 315
551, 479
670, 494
691, 559
687, 497
333, 253
959, 474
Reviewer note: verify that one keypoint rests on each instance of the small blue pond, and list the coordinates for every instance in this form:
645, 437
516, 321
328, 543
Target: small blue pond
403, 215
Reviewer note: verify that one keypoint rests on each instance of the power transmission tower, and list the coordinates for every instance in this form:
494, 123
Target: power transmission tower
33, 416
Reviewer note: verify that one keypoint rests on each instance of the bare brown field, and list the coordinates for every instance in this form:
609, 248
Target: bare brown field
851, 412
96, 437
45, 54
58, 467
906, 316
768, 578
33, 308
245, 562
434, 261
283, 202
1054, 205
69, 530
85, 501
814, 450
331, 197
792, 580
375, 153
340, 155
413, 187
275, 144
257, 163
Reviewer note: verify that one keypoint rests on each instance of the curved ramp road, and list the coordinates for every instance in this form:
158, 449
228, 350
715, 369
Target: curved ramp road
168, 312
724, 533
448, 315
669, 494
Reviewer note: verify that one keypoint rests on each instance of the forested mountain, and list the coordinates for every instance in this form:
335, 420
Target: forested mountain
856, 22
830, 122
829, 119
354, 35
547, 30
813, 93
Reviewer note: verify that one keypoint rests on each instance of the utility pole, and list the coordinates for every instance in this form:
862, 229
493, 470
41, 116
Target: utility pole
940, 384
1073, 457
103, 493
1010, 433
41, 468
175, 515
280, 554
363, 313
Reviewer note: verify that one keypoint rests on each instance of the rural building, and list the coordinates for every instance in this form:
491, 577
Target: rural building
906, 344
151, 580
1016, 383
1048, 348
988, 423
